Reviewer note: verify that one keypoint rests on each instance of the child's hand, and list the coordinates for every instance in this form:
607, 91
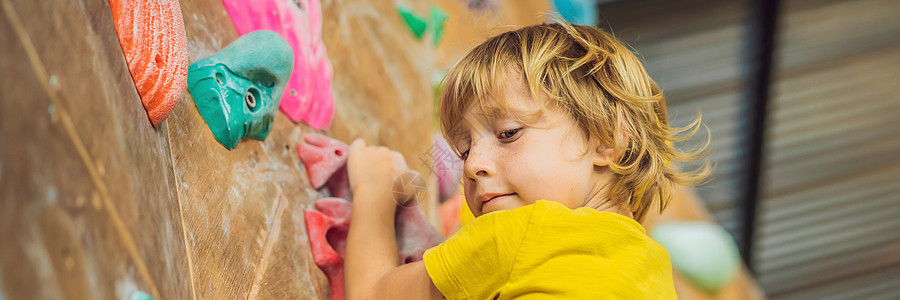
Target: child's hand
374, 168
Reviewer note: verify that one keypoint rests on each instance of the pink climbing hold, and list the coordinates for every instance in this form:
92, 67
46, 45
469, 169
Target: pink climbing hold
447, 166
308, 95
414, 234
323, 157
327, 229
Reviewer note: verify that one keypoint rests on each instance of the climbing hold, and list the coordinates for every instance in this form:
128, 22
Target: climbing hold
414, 233
138, 295
323, 157
703, 252
152, 37
418, 25
325, 160
327, 228
447, 166
580, 12
308, 96
413, 21
339, 184
438, 18
328, 225
237, 90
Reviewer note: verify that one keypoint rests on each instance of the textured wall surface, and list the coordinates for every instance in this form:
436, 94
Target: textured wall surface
96, 203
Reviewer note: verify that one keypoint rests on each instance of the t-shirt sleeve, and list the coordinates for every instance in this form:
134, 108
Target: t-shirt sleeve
475, 263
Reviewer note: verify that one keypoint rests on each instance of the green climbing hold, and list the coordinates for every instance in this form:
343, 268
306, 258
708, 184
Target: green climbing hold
414, 22
438, 18
238, 89
141, 296
418, 25
701, 251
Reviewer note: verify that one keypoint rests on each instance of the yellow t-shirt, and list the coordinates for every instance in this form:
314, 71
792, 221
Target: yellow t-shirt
548, 250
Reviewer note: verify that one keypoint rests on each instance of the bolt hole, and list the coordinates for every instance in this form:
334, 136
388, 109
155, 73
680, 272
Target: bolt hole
251, 98
160, 63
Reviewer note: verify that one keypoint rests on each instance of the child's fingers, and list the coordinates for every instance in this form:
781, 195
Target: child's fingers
357, 144
399, 161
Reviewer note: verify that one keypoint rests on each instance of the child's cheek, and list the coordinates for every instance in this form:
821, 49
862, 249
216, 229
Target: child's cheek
529, 171
469, 193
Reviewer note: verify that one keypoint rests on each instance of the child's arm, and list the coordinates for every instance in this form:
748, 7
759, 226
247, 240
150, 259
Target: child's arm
372, 267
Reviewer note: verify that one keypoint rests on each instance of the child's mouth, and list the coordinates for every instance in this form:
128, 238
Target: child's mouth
493, 203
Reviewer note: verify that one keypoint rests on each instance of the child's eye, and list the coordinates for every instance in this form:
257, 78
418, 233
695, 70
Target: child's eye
509, 133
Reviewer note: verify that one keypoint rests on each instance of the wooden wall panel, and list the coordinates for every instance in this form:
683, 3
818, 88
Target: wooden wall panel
89, 208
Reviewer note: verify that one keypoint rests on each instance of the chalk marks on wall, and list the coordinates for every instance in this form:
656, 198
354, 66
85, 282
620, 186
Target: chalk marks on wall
308, 96
238, 89
152, 37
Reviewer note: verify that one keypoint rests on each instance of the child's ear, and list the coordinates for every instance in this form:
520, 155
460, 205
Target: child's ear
603, 154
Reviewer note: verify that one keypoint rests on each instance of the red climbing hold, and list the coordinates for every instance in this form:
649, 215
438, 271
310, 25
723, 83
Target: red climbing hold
339, 184
327, 229
152, 37
323, 157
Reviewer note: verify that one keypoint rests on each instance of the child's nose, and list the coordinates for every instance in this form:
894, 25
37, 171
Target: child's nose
479, 163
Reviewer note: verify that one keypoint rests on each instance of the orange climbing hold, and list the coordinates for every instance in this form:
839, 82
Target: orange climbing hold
152, 37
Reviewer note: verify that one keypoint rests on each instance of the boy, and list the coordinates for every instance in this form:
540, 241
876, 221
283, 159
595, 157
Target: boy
565, 148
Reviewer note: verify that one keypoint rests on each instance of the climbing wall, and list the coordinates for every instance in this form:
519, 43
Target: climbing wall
97, 203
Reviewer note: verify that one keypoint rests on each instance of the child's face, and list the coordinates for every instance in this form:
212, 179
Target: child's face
508, 164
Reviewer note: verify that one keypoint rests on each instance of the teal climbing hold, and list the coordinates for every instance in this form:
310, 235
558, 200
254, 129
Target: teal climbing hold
238, 89
701, 251
416, 24
580, 12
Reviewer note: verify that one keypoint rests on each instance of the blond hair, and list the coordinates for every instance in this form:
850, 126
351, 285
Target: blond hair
597, 81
